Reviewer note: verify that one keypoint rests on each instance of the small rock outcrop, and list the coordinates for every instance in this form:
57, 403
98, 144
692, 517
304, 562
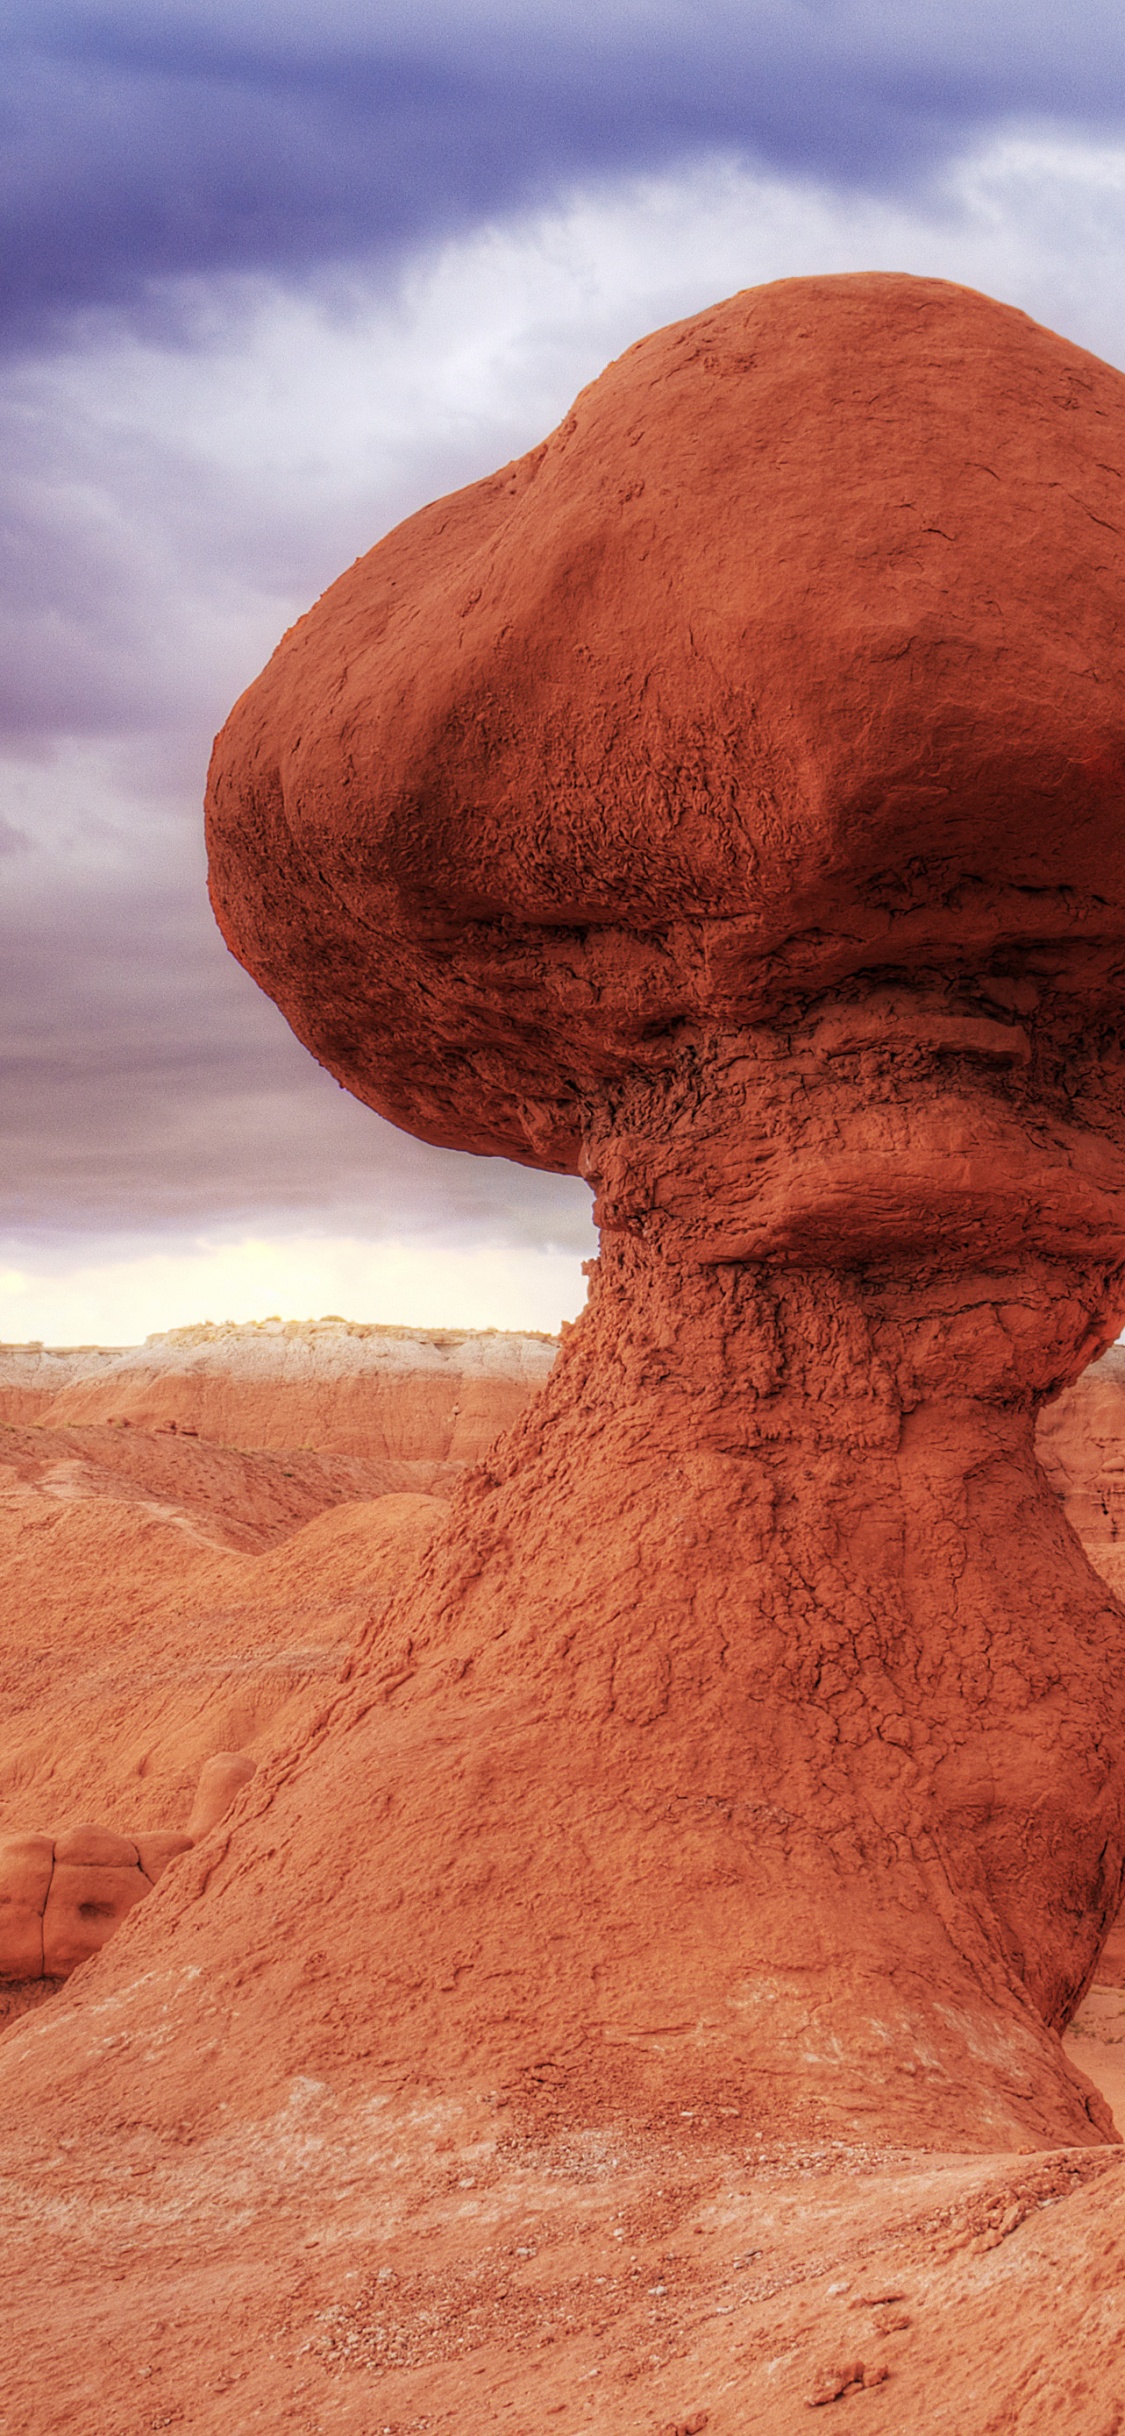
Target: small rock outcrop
62, 1897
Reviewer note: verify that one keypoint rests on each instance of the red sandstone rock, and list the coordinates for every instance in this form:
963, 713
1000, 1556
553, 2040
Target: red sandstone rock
62, 1899
26, 1863
773, 667
92, 1847
220, 1782
726, 800
155, 1852
87, 1899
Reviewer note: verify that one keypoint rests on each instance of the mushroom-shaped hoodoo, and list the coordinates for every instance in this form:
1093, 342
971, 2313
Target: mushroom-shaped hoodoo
728, 801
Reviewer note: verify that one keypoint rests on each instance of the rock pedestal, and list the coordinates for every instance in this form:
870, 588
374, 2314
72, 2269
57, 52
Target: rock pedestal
726, 802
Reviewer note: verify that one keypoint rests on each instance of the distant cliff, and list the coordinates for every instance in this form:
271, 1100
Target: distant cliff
339, 1386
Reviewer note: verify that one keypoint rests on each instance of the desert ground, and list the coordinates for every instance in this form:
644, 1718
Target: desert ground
198, 1535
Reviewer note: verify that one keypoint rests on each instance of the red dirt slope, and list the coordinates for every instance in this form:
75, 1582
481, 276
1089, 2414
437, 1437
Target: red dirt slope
341, 2271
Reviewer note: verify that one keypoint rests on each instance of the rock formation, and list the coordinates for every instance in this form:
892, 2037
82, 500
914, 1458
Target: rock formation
62, 1897
740, 1772
725, 800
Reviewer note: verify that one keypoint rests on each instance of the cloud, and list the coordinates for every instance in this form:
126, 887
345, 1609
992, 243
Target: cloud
146, 145
170, 506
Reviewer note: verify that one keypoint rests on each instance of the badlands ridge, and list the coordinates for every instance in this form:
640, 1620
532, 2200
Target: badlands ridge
194, 1529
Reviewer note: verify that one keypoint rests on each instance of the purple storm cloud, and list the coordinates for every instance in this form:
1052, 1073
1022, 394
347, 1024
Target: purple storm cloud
146, 145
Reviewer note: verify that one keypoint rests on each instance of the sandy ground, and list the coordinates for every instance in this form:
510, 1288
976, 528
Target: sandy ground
382, 2268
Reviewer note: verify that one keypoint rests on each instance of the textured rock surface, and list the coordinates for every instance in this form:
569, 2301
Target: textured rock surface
774, 666
95, 1882
26, 1864
725, 800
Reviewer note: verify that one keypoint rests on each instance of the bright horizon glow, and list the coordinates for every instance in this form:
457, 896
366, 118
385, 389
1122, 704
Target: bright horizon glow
122, 1300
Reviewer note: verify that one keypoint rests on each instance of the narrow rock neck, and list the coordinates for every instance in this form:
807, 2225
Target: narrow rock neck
754, 1353
974, 1228
814, 1708
864, 1557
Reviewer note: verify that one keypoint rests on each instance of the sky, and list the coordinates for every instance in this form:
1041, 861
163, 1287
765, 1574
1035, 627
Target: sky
271, 278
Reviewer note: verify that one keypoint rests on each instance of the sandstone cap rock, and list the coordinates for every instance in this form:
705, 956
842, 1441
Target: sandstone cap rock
797, 652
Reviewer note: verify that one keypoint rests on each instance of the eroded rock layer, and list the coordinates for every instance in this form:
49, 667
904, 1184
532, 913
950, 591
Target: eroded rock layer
343, 1387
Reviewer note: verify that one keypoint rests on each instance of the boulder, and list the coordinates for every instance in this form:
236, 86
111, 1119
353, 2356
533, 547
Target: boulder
86, 1902
26, 1862
62, 1898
